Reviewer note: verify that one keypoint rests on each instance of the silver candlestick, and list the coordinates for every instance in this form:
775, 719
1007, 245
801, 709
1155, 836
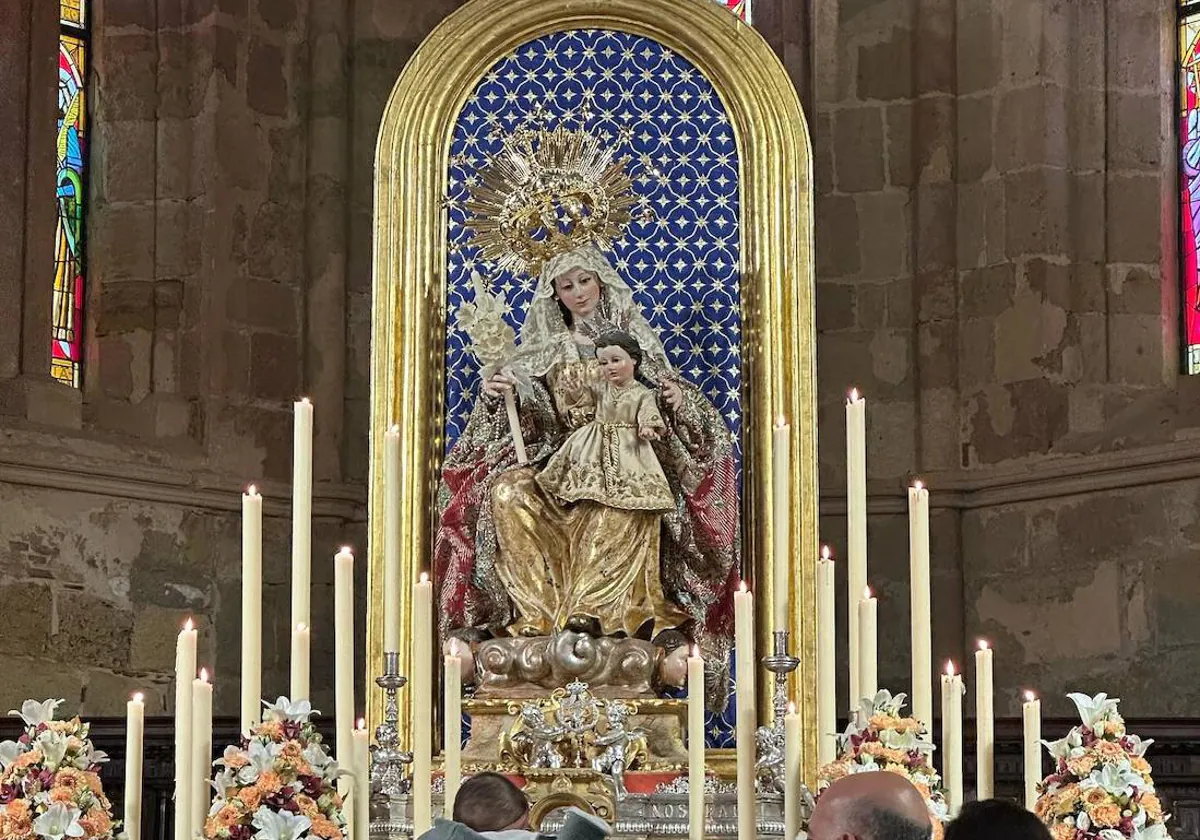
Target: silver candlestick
780, 663
770, 739
389, 764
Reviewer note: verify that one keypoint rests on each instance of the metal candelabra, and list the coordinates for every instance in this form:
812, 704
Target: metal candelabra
389, 764
771, 739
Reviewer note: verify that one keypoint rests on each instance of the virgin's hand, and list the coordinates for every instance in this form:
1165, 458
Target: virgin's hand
673, 394
498, 385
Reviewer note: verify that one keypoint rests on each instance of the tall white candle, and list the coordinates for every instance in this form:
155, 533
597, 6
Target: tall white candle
1031, 713
391, 539
301, 644
985, 724
251, 608
362, 783
302, 513
202, 739
747, 716
826, 661
343, 663
422, 694
781, 525
952, 745
135, 726
452, 767
856, 525
695, 700
868, 647
185, 672
922, 646
793, 778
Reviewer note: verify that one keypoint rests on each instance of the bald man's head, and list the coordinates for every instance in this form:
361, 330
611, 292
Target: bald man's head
870, 806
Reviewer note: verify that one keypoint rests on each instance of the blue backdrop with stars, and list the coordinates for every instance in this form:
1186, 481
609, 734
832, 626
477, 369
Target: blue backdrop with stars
680, 255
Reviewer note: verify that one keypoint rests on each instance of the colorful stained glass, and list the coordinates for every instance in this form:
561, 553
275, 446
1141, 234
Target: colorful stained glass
67, 340
73, 12
741, 8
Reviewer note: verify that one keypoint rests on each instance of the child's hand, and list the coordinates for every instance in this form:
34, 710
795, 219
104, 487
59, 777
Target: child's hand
648, 433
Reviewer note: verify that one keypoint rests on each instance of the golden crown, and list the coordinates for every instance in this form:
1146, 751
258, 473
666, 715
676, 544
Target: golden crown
547, 192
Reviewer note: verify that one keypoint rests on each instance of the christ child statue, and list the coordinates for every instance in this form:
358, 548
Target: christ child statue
610, 460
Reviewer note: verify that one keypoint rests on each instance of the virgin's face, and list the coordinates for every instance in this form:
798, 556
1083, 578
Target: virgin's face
579, 290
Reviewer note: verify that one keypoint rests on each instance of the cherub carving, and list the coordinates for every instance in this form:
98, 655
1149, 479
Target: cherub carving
538, 739
621, 746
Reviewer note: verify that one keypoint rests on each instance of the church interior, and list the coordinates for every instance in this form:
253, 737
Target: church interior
225, 228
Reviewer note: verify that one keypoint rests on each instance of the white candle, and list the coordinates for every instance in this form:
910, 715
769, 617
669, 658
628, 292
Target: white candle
791, 773
868, 647
826, 661
422, 694
781, 525
695, 700
343, 663
185, 672
391, 540
856, 533
300, 648
747, 717
251, 608
452, 766
302, 513
952, 745
985, 726
362, 784
202, 738
1031, 713
922, 646
135, 725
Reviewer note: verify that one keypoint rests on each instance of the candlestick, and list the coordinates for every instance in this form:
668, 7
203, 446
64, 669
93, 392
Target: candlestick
135, 725
251, 608
922, 645
452, 767
952, 746
1031, 713
302, 516
343, 663
362, 782
781, 525
202, 738
185, 672
793, 780
300, 670
422, 694
826, 661
985, 725
391, 539
856, 513
743, 607
695, 701
868, 646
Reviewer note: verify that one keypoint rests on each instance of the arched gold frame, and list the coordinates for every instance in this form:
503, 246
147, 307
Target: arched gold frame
778, 349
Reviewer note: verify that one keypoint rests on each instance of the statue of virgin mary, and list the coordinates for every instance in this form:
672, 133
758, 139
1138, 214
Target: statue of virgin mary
511, 559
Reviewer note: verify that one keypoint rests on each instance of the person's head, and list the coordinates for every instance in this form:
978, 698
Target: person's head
490, 802
619, 356
578, 292
870, 806
996, 819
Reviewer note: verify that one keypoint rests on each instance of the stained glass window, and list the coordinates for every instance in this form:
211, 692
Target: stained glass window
66, 352
741, 8
1189, 175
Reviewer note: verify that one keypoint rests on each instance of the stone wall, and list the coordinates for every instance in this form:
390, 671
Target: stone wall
995, 234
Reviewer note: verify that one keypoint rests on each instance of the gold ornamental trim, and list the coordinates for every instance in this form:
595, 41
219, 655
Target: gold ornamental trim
409, 286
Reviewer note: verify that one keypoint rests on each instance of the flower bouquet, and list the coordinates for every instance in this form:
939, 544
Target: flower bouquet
49, 780
1101, 787
277, 784
878, 738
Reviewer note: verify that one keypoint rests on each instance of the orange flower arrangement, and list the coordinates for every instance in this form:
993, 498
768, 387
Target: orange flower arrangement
49, 780
278, 782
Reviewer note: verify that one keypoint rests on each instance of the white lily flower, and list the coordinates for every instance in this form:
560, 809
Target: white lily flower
284, 709
261, 761
1158, 831
9, 750
53, 746
1065, 747
316, 757
35, 713
1111, 834
57, 822
281, 825
94, 756
1083, 822
1139, 746
222, 781
1118, 781
1092, 710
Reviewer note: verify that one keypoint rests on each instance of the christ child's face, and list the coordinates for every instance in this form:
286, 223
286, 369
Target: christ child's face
615, 364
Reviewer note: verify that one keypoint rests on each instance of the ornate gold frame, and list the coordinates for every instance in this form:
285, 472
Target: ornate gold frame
408, 314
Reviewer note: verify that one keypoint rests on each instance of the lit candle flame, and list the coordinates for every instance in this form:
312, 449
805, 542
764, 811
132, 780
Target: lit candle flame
854, 396
138, 697
983, 645
1030, 697
826, 554
252, 490
188, 625
791, 708
780, 422
362, 723
695, 651
918, 485
866, 593
742, 586
395, 428
304, 400
424, 577
949, 668
346, 550
204, 675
